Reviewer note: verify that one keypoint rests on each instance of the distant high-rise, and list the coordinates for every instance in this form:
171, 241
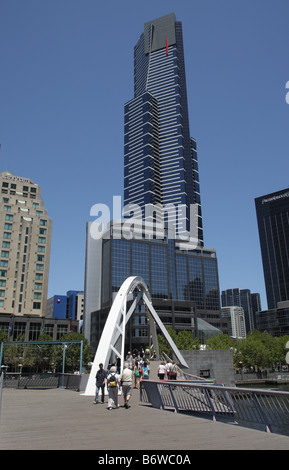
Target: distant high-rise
273, 224
243, 298
160, 157
25, 234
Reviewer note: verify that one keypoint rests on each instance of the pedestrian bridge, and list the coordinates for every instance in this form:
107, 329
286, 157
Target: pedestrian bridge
61, 419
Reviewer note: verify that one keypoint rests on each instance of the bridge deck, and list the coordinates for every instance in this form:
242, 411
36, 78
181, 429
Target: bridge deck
63, 419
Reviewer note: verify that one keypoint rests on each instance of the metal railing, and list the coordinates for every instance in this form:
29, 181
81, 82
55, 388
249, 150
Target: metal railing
255, 408
1, 388
41, 380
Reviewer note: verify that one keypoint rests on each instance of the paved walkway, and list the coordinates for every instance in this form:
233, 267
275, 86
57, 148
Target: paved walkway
66, 420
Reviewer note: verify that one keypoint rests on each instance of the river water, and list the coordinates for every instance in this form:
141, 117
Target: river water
276, 387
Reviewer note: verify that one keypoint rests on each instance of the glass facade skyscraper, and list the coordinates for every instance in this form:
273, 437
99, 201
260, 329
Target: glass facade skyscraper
160, 157
160, 167
273, 224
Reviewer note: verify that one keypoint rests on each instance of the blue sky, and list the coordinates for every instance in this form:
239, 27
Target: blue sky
66, 72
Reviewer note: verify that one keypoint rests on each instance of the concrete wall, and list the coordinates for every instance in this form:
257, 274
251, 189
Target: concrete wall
219, 362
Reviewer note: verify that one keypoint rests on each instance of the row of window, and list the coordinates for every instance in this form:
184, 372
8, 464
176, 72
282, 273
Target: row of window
35, 329
196, 279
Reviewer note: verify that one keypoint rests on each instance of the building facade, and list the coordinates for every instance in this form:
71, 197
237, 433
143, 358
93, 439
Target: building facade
251, 303
66, 306
236, 321
183, 285
160, 169
30, 327
25, 233
273, 224
160, 157
275, 321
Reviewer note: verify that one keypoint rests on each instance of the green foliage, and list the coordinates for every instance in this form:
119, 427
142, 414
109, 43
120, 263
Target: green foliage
222, 341
258, 350
182, 339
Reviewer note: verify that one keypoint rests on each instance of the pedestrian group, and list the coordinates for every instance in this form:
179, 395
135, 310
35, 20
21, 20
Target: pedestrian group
135, 369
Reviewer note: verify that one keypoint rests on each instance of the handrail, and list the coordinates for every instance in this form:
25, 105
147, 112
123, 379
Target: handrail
262, 409
1, 388
41, 380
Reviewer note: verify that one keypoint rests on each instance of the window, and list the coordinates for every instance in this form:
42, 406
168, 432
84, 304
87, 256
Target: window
38, 286
7, 226
42, 240
4, 254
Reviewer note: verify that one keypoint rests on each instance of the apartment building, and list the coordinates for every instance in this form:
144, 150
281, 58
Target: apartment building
25, 237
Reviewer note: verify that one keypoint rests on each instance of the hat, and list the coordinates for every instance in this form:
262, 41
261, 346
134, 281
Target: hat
113, 369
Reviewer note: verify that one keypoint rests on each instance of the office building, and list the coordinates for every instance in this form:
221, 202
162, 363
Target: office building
66, 306
160, 167
236, 321
273, 224
25, 233
183, 285
243, 298
275, 321
30, 327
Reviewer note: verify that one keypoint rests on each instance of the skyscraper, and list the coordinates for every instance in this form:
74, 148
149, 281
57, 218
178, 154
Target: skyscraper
160, 167
25, 233
160, 157
242, 298
273, 224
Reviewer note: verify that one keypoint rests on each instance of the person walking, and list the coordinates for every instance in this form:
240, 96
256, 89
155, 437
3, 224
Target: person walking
168, 367
162, 370
137, 372
146, 370
100, 383
113, 384
126, 384
173, 371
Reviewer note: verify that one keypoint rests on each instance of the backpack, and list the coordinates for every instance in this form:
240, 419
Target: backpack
146, 372
112, 381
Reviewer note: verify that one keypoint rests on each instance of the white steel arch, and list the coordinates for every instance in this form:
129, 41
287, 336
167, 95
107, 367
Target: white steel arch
113, 334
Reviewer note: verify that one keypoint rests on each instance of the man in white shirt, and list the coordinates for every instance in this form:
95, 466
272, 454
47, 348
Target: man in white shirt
126, 383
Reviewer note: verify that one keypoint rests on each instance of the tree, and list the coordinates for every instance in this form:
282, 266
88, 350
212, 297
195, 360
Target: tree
182, 339
222, 341
255, 351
